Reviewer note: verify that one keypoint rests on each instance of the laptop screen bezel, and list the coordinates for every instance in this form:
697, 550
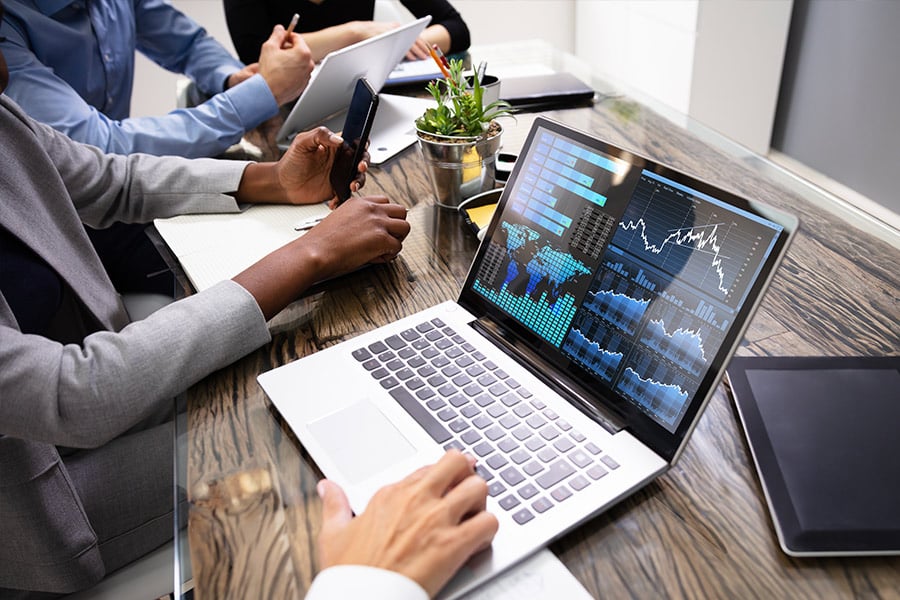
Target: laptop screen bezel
644, 427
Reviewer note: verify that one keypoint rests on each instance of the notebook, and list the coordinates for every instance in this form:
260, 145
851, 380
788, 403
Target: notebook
327, 96
593, 326
545, 91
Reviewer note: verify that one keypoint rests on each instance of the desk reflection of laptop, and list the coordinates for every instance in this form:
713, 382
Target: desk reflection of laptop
594, 326
327, 96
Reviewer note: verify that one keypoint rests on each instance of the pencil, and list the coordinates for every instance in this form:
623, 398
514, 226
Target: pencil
290, 29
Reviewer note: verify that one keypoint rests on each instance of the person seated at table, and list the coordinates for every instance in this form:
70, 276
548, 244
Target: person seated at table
328, 25
72, 67
85, 452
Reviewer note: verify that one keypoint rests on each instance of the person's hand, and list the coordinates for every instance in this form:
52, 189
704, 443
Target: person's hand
242, 75
285, 62
304, 169
424, 527
420, 49
360, 231
363, 30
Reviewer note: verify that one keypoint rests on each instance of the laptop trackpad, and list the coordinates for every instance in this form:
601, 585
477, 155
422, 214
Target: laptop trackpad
360, 440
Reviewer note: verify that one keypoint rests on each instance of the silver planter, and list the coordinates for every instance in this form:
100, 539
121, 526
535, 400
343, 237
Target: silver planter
459, 170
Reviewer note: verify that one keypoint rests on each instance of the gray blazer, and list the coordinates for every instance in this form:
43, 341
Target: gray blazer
85, 395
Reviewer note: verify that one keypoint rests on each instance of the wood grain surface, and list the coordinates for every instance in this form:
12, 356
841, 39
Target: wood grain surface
699, 531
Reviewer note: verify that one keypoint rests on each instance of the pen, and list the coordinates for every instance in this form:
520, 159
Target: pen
308, 224
434, 54
443, 59
290, 28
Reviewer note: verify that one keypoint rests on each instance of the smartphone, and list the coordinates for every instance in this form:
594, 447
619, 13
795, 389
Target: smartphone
356, 130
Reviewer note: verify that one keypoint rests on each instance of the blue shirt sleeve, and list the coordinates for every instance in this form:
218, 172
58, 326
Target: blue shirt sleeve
177, 43
45, 93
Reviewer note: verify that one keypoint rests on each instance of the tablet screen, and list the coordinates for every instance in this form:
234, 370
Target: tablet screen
825, 436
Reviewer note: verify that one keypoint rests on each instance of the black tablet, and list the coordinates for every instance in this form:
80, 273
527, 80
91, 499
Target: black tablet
824, 433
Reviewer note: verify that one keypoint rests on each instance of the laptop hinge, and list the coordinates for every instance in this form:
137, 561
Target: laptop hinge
540, 368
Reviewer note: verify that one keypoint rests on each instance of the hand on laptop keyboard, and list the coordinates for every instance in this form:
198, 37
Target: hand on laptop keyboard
424, 527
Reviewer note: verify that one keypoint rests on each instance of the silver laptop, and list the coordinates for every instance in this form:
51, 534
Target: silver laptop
327, 96
594, 325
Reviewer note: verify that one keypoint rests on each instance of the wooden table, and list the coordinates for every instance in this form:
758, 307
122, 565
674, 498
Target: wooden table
700, 531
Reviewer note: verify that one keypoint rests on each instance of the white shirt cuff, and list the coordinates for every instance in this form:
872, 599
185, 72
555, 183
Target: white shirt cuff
357, 581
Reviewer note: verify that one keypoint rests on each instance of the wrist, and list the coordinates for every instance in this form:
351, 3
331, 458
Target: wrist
260, 184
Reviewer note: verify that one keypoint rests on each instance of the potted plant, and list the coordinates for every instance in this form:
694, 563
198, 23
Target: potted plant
459, 138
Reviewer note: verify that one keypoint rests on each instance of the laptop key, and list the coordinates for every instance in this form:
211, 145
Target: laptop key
509, 502
535, 444
371, 364
579, 483
557, 471
425, 394
395, 342
483, 449
523, 516
436, 404
519, 456
421, 415
507, 444
409, 335
609, 462
512, 476
541, 505
415, 383
495, 489
527, 491
458, 400
454, 445
447, 414
377, 348
580, 459
563, 444
483, 473
470, 437
497, 461
395, 364
424, 327
561, 493
389, 382
458, 425
533, 468
481, 421
362, 354
596, 472
469, 411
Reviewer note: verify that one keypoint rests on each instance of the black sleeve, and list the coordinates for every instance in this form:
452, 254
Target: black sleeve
443, 13
250, 23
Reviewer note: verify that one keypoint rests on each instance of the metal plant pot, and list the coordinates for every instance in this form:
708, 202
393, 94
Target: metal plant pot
460, 167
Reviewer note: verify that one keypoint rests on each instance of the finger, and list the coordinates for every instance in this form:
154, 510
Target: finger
468, 497
324, 136
336, 511
452, 467
475, 534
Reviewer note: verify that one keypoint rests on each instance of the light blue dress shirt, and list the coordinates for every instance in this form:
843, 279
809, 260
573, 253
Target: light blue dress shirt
71, 66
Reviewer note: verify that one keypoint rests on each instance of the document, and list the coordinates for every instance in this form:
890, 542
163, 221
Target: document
541, 577
215, 247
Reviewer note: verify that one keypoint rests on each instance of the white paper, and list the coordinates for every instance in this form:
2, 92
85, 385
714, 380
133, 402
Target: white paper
215, 247
541, 577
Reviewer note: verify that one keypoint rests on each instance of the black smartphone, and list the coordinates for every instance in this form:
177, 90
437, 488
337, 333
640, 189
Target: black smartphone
356, 134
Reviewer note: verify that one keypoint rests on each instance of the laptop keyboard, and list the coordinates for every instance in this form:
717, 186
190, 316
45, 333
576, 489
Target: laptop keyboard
531, 458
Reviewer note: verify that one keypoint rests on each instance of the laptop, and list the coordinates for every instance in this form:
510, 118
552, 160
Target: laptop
594, 325
327, 96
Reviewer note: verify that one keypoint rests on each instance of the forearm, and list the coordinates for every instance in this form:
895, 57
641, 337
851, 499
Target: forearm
333, 38
282, 276
438, 34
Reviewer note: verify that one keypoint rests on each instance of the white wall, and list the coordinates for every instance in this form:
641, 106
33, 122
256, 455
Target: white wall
718, 61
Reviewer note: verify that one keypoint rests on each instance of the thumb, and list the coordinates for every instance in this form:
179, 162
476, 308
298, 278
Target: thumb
336, 511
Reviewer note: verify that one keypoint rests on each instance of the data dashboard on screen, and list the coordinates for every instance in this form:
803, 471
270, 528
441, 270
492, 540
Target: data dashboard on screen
632, 276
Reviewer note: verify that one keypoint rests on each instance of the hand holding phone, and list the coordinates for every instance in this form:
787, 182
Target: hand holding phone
356, 130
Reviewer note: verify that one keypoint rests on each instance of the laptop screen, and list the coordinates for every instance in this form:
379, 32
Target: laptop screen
629, 278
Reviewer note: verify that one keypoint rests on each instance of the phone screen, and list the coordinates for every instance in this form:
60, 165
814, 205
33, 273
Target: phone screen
355, 133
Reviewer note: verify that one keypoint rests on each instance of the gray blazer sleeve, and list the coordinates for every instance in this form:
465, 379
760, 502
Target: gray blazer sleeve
84, 395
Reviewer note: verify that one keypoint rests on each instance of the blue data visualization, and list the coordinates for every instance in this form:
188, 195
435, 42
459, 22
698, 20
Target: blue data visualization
531, 280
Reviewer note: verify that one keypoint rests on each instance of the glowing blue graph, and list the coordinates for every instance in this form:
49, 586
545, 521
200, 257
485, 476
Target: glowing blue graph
701, 238
662, 399
622, 310
591, 355
683, 346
